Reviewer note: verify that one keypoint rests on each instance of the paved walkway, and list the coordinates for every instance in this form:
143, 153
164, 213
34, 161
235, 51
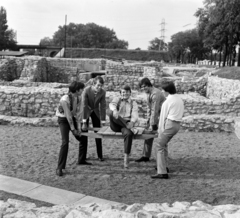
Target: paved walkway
46, 193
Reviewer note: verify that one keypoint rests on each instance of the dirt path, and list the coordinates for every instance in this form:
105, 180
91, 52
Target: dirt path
204, 166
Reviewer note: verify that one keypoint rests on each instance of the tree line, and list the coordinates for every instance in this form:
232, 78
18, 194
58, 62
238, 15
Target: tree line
216, 36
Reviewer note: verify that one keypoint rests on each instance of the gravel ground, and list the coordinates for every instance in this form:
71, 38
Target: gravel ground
203, 166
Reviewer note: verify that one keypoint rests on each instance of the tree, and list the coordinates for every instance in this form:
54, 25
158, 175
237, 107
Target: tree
219, 24
90, 35
7, 36
187, 46
46, 41
157, 44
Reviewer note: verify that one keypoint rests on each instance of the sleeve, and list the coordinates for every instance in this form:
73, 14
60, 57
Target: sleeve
134, 114
78, 114
154, 109
148, 111
113, 104
68, 114
103, 107
84, 104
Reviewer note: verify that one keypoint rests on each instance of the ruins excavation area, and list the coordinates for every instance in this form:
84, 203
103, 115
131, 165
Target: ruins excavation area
204, 156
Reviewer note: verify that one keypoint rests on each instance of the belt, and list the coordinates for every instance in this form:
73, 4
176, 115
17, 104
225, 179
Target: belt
175, 121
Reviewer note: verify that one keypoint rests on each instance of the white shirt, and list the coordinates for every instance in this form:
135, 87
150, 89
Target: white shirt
172, 109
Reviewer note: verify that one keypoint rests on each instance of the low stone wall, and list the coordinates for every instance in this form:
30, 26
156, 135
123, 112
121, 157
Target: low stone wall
196, 104
208, 123
41, 101
196, 209
38, 69
221, 88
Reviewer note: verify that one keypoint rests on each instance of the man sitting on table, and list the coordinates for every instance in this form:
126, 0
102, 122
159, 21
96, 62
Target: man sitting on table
123, 114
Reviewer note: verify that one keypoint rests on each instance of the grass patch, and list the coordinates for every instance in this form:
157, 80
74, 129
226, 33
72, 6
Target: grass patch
228, 73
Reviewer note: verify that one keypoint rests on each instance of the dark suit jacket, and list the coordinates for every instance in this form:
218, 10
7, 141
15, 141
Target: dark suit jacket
155, 100
92, 103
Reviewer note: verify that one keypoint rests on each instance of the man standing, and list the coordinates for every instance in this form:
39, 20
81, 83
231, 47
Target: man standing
94, 106
155, 99
69, 119
123, 114
169, 124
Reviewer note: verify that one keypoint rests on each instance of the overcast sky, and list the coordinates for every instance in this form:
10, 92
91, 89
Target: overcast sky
136, 21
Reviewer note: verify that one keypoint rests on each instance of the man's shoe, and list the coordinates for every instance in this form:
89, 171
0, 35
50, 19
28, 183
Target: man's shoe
101, 159
84, 163
166, 168
160, 176
59, 172
142, 159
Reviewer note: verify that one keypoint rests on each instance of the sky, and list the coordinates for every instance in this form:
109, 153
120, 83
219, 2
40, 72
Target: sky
135, 21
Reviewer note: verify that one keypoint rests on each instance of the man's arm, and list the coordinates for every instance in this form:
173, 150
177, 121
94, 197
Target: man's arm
163, 117
134, 114
103, 107
85, 105
157, 100
78, 113
68, 114
113, 104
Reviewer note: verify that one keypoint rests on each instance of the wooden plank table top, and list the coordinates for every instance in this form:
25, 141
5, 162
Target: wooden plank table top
106, 133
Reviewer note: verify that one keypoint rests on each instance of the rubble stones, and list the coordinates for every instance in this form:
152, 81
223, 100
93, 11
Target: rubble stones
15, 208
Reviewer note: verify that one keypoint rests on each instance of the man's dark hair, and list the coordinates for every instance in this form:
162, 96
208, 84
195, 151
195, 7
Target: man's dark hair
98, 78
146, 82
76, 86
169, 87
126, 88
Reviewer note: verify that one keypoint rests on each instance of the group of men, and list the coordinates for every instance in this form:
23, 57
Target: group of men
165, 111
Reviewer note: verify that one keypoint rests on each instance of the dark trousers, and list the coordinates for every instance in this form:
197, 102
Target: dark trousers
84, 142
119, 125
65, 129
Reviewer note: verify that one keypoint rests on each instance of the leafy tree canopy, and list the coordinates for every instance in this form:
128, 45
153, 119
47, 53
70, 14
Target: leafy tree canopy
188, 42
219, 25
7, 36
90, 35
157, 44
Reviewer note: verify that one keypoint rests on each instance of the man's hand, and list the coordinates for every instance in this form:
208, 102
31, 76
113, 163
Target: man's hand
154, 127
130, 125
148, 125
84, 127
115, 114
76, 132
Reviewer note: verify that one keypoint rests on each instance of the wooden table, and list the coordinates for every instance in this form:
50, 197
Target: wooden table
105, 132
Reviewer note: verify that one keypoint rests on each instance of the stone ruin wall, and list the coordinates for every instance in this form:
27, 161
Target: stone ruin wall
201, 114
37, 99
224, 89
38, 69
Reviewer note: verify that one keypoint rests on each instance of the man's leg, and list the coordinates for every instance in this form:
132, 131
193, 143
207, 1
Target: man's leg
116, 124
147, 150
128, 137
64, 129
162, 148
97, 123
83, 144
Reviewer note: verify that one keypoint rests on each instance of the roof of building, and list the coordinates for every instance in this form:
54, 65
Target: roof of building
13, 53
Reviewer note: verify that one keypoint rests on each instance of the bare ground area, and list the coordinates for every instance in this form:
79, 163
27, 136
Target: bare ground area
203, 166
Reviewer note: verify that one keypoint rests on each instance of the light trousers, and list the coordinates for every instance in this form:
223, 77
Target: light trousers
171, 129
